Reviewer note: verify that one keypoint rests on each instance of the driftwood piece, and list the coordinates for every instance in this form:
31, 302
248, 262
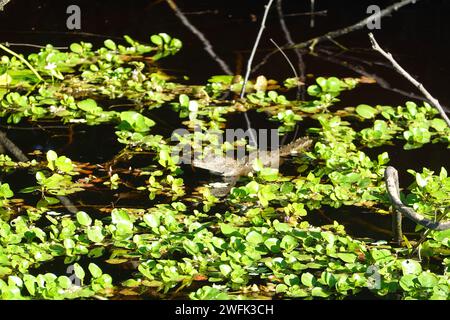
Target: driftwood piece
19, 155
393, 190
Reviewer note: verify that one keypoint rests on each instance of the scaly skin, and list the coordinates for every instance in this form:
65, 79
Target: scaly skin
229, 167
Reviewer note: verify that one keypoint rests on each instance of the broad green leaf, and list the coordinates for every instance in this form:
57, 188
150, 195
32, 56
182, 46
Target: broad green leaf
254, 237
77, 48
366, 111
428, 280
95, 270
83, 218
307, 279
347, 257
79, 272
110, 44
319, 292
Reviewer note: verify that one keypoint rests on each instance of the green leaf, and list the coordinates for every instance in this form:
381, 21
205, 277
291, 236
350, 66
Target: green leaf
428, 280
110, 44
281, 288
64, 164
333, 84
152, 220
228, 229
291, 280
69, 244
40, 176
319, 292
254, 237
273, 244
30, 283
407, 282
95, 234
157, 39
83, 218
77, 48
438, 124
288, 243
88, 105
347, 257
226, 79
136, 121
421, 182
225, 269
120, 216
79, 272
184, 100
412, 108
281, 227
64, 282
5, 79
95, 270
307, 279
5, 191
51, 156
366, 111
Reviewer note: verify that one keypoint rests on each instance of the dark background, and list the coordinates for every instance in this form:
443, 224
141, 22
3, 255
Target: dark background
418, 35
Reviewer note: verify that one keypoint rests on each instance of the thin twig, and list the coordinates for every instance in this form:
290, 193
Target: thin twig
316, 13
361, 71
290, 64
209, 49
253, 141
340, 32
23, 60
207, 45
14, 44
290, 41
404, 73
255, 46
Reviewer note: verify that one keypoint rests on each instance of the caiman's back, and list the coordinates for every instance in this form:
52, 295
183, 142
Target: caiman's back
229, 167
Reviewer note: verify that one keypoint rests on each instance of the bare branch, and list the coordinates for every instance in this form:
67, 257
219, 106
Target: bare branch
362, 71
10, 44
207, 45
253, 141
290, 41
19, 155
404, 73
255, 46
392, 187
340, 32
290, 64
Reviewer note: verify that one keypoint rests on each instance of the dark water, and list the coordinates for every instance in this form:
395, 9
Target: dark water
418, 35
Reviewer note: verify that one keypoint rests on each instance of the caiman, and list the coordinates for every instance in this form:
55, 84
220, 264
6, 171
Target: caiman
232, 169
